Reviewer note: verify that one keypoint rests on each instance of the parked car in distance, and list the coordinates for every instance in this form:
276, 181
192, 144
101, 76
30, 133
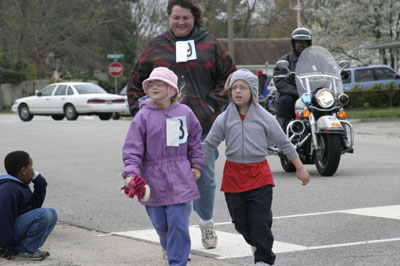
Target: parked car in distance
367, 76
69, 99
125, 112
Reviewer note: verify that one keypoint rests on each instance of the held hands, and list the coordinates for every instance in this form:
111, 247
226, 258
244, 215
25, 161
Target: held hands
196, 173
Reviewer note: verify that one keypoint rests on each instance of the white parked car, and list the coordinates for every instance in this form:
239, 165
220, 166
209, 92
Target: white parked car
69, 99
125, 112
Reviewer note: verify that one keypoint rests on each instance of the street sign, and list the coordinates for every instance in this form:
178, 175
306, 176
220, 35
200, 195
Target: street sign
115, 69
115, 56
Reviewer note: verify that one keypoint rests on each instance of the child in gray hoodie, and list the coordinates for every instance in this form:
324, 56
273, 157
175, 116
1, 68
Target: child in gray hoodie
247, 179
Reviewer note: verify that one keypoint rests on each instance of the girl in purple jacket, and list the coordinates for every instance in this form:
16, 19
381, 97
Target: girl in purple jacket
163, 145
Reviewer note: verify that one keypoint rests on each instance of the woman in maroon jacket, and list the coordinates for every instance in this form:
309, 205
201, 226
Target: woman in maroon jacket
202, 65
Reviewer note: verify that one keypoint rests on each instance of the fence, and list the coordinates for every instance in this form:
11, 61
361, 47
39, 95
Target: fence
10, 92
390, 91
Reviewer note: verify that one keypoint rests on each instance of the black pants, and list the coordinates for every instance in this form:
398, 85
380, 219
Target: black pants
286, 106
252, 216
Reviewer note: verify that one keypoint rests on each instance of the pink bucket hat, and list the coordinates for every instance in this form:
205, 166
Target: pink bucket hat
165, 75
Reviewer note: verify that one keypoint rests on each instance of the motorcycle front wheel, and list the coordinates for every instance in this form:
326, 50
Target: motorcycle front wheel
327, 158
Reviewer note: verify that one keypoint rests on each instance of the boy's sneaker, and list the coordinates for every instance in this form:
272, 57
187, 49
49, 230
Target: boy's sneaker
209, 238
38, 255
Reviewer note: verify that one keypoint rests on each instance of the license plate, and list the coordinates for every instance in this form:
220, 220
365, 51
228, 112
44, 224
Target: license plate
108, 102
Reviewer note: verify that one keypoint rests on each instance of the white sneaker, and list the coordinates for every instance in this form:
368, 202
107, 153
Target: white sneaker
253, 250
165, 257
209, 238
263, 263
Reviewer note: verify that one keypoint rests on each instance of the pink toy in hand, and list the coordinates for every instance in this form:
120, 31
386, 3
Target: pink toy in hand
139, 188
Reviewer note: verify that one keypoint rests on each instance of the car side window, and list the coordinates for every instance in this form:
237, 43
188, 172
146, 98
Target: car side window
384, 73
70, 91
48, 90
346, 78
362, 75
61, 90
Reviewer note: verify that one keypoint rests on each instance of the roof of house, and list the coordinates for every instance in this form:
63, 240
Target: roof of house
259, 51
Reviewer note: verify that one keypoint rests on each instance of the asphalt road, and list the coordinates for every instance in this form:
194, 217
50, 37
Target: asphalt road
351, 218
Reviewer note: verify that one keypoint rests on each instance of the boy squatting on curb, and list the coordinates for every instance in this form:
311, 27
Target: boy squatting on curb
24, 225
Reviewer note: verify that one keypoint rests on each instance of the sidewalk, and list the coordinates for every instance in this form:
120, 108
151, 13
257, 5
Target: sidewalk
74, 246
384, 127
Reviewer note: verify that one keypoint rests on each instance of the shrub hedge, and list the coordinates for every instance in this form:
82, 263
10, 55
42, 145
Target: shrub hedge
372, 97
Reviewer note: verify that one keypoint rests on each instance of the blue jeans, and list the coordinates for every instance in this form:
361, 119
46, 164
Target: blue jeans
32, 229
172, 225
206, 185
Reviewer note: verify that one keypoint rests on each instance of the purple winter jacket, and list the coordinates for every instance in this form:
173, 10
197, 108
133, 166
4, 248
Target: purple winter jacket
167, 170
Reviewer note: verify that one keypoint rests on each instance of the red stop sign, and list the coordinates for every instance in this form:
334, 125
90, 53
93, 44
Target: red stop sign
115, 69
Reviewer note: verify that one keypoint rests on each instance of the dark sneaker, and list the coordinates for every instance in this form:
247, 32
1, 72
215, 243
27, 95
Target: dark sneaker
38, 255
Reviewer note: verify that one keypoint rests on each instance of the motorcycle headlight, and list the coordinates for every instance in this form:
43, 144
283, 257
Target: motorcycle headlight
325, 98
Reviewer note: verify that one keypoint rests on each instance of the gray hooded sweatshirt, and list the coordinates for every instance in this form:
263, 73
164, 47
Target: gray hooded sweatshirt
247, 140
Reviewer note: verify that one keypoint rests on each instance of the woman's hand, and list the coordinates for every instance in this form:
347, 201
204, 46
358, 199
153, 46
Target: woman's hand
196, 173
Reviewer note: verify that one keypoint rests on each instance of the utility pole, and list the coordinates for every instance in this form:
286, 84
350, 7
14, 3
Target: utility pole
231, 47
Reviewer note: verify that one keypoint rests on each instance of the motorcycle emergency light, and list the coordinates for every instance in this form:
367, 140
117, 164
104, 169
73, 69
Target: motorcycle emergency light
325, 98
306, 98
342, 114
306, 113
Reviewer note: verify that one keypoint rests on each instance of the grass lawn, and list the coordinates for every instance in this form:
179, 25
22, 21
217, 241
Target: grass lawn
6, 111
373, 112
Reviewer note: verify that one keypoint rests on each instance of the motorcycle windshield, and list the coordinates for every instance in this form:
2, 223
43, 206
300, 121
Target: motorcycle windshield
316, 68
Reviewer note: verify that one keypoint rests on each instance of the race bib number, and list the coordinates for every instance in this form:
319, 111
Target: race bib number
176, 131
185, 51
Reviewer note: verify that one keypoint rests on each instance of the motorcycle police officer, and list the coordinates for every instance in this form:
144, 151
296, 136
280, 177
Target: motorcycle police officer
301, 39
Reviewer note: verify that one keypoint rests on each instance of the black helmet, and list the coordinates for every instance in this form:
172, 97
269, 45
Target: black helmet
301, 34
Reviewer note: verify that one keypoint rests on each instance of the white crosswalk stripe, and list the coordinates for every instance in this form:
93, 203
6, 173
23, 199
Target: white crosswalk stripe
232, 245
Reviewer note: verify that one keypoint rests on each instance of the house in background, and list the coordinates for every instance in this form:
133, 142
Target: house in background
259, 53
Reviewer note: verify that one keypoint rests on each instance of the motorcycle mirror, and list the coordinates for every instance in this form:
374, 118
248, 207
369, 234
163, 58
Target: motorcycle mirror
283, 64
344, 63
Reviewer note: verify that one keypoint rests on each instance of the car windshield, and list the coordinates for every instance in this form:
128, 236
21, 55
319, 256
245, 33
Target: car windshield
89, 88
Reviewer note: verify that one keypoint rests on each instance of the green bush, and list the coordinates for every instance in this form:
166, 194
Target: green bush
374, 99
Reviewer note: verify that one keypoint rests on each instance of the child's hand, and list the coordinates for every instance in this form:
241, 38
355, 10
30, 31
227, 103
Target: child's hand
303, 176
127, 181
196, 173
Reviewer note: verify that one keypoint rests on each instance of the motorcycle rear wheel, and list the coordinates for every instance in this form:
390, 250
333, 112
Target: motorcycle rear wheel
327, 159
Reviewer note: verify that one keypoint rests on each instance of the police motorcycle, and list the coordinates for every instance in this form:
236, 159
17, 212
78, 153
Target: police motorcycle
319, 132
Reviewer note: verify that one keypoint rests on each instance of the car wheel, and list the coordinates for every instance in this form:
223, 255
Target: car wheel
57, 117
115, 116
24, 113
70, 112
105, 116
